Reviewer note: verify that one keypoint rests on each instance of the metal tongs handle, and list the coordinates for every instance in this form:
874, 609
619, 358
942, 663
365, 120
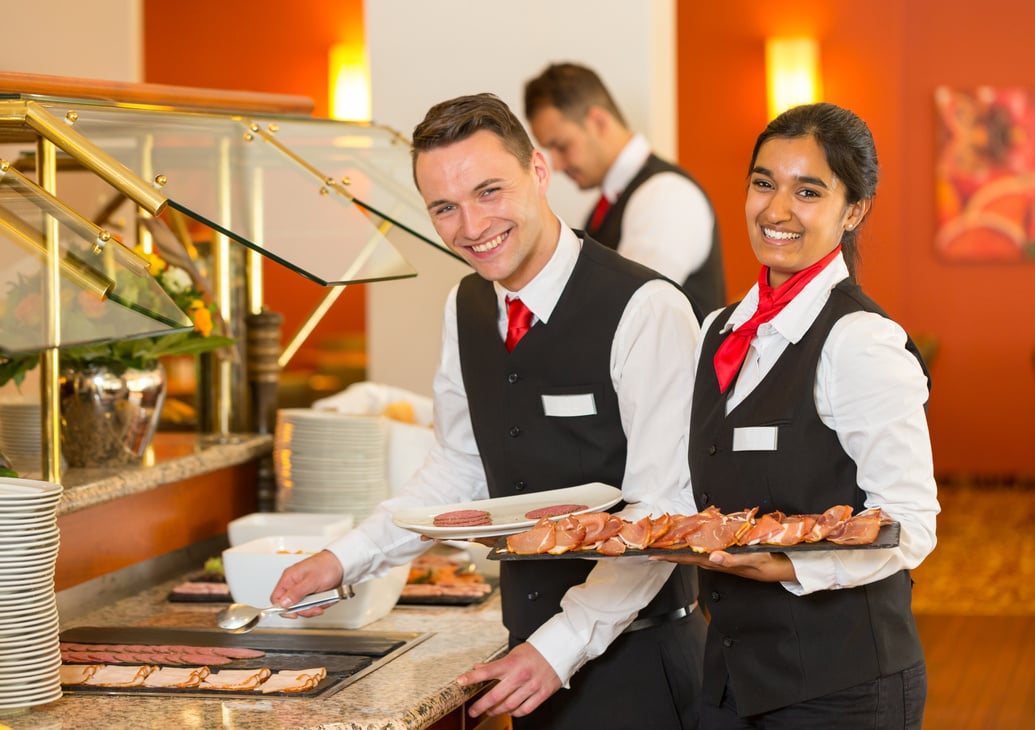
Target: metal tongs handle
341, 593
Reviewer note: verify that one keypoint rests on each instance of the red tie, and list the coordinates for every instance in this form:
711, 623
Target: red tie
519, 321
731, 353
598, 214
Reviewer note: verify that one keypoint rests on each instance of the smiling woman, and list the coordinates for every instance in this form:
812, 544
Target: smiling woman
843, 413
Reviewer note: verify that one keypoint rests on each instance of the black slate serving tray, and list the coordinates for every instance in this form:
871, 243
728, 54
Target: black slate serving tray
886, 538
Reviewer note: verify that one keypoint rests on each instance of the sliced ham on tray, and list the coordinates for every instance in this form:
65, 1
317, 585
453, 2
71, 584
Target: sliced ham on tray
120, 676
704, 532
236, 678
78, 673
179, 677
294, 680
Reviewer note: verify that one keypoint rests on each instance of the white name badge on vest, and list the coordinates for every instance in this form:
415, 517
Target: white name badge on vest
755, 438
569, 406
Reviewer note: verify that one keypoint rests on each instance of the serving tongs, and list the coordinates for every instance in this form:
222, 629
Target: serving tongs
240, 618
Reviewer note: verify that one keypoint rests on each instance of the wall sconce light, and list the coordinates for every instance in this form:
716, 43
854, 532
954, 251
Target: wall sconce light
792, 73
349, 82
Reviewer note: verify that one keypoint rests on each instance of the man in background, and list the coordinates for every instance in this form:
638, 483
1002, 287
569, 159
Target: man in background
650, 210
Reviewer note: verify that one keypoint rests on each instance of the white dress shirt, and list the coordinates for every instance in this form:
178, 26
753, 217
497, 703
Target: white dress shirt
653, 346
871, 391
667, 224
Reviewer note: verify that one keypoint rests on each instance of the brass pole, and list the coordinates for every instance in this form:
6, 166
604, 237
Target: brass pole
50, 372
331, 296
253, 259
92, 157
222, 286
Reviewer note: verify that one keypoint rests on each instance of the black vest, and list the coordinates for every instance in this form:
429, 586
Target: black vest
706, 286
778, 648
521, 448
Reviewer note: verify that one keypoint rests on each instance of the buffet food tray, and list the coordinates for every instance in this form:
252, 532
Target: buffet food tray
449, 599
886, 538
347, 655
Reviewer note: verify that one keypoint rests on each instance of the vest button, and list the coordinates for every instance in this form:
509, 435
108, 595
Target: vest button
727, 642
715, 596
533, 596
514, 431
513, 378
520, 486
713, 449
705, 497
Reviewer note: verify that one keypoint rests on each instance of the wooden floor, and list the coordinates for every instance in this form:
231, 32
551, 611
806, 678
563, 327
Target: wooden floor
980, 672
974, 601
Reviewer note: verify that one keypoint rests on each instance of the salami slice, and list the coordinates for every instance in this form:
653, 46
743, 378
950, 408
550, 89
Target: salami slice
555, 510
463, 518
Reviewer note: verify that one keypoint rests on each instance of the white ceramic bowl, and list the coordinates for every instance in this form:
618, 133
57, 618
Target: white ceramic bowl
253, 569
269, 524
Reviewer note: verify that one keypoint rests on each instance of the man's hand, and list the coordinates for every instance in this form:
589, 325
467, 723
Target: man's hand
763, 567
525, 680
316, 573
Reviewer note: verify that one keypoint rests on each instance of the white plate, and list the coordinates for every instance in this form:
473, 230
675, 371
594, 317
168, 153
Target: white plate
507, 513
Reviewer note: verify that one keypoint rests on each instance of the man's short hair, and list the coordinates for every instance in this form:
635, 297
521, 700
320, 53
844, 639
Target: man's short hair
572, 89
457, 119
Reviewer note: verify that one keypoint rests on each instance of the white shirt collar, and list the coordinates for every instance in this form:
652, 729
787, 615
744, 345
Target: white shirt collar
541, 294
625, 167
799, 314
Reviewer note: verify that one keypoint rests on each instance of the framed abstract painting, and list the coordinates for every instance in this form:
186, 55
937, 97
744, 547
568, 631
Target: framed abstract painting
985, 174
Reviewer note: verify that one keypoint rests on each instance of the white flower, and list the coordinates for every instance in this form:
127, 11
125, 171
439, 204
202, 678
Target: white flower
176, 280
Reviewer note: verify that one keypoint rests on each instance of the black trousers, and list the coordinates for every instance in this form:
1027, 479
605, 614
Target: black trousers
647, 678
894, 702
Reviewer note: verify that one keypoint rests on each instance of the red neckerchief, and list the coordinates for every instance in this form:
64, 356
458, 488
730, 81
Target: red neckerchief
731, 353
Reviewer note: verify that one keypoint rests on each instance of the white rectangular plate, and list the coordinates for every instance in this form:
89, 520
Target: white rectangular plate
507, 513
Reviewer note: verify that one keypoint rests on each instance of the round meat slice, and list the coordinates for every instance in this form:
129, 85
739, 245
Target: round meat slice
554, 511
463, 518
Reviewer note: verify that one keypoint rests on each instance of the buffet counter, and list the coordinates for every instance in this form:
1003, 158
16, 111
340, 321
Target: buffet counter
129, 536
416, 689
187, 491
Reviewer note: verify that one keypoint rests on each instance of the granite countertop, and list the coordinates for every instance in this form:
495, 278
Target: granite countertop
173, 457
411, 691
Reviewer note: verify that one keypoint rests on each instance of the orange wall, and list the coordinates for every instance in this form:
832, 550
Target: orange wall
884, 60
265, 46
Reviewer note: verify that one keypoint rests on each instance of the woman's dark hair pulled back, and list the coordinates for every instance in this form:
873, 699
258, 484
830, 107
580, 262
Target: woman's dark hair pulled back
849, 148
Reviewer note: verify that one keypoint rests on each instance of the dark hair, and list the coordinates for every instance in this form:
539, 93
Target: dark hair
849, 148
457, 119
573, 89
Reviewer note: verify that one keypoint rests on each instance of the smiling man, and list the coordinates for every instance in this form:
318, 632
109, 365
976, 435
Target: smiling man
593, 387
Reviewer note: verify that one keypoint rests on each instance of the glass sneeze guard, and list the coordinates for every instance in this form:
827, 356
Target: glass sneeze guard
302, 192
106, 292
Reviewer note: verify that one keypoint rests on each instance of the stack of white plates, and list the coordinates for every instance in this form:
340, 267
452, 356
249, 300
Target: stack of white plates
20, 438
30, 652
330, 462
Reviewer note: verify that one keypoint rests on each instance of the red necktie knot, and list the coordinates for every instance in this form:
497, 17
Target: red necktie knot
519, 321
603, 205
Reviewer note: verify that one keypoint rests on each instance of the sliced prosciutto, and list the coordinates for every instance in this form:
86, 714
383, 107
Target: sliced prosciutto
682, 525
540, 539
636, 535
569, 534
829, 521
600, 526
612, 546
720, 532
859, 530
793, 530
766, 527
